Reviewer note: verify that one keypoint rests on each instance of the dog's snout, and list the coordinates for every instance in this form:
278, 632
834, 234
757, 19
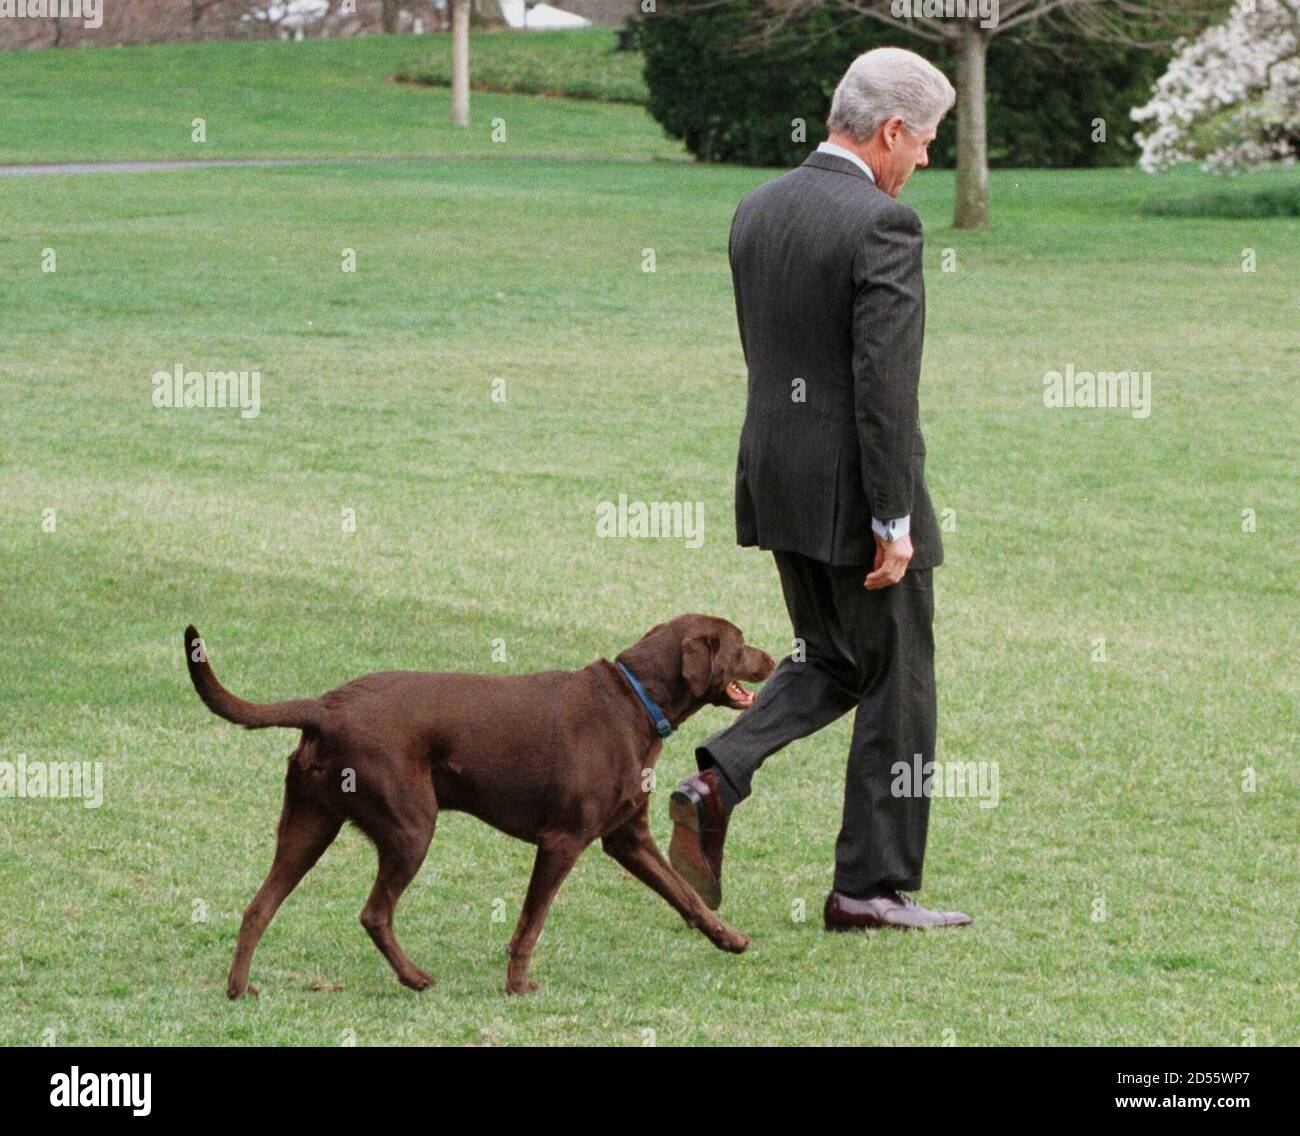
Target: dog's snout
759, 663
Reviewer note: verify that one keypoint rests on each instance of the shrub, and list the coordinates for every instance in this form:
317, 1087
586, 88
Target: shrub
1276, 201
1231, 96
1044, 93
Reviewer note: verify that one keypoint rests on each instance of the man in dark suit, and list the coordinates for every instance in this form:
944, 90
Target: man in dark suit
826, 266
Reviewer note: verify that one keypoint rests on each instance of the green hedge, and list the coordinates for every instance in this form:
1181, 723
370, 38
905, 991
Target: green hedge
1044, 92
578, 63
1238, 203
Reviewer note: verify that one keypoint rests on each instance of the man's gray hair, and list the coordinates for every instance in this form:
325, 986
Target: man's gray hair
885, 83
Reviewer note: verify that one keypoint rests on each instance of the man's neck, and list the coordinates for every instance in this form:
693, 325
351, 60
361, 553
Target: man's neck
867, 151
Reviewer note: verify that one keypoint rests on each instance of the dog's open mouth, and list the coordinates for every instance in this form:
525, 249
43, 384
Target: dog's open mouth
738, 698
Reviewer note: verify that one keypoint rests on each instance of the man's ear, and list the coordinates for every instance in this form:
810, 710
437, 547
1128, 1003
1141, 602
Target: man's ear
698, 655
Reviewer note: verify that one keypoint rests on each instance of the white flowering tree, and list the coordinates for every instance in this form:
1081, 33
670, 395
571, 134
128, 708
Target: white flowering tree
1231, 97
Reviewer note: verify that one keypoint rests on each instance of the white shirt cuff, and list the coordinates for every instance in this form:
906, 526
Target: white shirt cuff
891, 530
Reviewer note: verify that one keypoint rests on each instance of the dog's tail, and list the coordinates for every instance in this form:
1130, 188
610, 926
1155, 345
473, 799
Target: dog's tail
303, 713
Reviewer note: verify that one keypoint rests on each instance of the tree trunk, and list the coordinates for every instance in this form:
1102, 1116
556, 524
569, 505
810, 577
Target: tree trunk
972, 205
390, 17
460, 62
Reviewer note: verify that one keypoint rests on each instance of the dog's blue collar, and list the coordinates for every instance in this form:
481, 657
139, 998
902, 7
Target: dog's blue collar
662, 726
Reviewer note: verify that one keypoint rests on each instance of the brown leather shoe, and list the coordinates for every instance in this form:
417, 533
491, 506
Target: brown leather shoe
893, 909
699, 829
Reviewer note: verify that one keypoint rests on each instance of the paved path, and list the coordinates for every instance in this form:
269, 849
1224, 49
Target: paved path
242, 163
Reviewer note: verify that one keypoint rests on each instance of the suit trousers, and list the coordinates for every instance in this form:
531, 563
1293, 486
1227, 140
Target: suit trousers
872, 651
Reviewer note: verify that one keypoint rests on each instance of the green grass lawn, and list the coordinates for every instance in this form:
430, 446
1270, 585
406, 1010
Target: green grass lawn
475, 521
324, 97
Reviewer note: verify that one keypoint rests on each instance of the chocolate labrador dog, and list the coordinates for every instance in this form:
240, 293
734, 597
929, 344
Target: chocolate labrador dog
557, 759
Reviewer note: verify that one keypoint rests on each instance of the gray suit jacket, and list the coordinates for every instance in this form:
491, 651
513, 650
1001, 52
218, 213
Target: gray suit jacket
827, 275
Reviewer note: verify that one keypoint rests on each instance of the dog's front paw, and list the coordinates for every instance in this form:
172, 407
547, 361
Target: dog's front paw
521, 986
235, 991
731, 941
418, 980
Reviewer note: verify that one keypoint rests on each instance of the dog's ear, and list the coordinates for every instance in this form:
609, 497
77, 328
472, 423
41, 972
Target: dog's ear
699, 656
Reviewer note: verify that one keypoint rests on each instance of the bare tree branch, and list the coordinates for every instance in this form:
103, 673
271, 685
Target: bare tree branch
1035, 13
1132, 23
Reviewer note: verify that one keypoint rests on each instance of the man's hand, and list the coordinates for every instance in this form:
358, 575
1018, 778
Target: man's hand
892, 558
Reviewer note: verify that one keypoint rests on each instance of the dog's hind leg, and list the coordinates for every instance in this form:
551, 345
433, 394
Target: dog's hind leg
305, 831
633, 846
402, 847
553, 863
